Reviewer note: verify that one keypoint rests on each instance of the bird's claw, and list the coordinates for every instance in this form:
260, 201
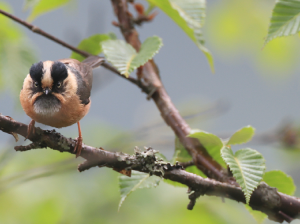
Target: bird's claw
30, 129
78, 146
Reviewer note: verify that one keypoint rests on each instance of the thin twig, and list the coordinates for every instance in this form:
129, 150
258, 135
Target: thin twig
33, 145
35, 29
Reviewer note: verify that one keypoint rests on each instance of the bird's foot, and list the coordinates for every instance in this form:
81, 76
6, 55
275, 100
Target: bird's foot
78, 146
30, 129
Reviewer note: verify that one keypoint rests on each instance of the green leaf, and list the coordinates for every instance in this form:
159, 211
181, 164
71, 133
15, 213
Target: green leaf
212, 143
257, 215
242, 136
181, 154
92, 45
247, 166
45, 6
192, 11
120, 54
195, 170
137, 180
280, 180
149, 48
285, 19
189, 16
125, 58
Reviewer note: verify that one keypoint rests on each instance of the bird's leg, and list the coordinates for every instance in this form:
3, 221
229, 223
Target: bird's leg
78, 145
30, 129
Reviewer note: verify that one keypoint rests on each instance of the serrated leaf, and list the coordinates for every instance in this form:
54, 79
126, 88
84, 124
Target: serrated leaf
149, 48
187, 13
257, 215
283, 182
137, 180
247, 167
192, 11
120, 54
44, 6
92, 45
243, 135
211, 142
125, 58
285, 19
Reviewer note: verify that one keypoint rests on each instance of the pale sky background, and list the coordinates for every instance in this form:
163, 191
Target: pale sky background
252, 98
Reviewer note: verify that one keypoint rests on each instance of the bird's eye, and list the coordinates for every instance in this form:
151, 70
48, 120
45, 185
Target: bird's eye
58, 84
36, 84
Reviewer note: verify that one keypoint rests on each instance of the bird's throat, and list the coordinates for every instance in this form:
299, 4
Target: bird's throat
47, 105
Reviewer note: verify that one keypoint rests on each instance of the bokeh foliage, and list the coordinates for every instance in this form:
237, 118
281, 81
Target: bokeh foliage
16, 53
233, 28
236, 30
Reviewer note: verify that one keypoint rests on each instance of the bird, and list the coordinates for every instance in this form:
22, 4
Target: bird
57, 93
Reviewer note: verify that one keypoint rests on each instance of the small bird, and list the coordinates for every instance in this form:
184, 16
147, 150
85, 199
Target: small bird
57, 93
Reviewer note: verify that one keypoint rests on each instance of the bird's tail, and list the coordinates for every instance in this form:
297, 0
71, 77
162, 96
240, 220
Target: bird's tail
94, 61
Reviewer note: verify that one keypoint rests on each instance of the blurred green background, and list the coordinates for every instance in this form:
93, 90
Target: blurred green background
253, 84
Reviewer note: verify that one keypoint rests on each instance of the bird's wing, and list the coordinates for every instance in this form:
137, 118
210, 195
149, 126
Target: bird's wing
84, 76
93, 61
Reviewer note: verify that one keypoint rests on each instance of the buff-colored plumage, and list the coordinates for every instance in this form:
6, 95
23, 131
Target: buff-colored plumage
65, 104
71, 110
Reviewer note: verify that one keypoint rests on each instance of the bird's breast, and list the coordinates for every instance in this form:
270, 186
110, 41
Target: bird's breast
55, 110
47, 105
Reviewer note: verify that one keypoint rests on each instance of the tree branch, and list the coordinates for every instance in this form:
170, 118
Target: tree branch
163, 102
277, 206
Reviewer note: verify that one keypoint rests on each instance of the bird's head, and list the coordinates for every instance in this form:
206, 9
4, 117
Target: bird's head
48, 85
48, 77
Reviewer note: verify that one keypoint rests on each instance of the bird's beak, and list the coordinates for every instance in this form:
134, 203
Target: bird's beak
47, 91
